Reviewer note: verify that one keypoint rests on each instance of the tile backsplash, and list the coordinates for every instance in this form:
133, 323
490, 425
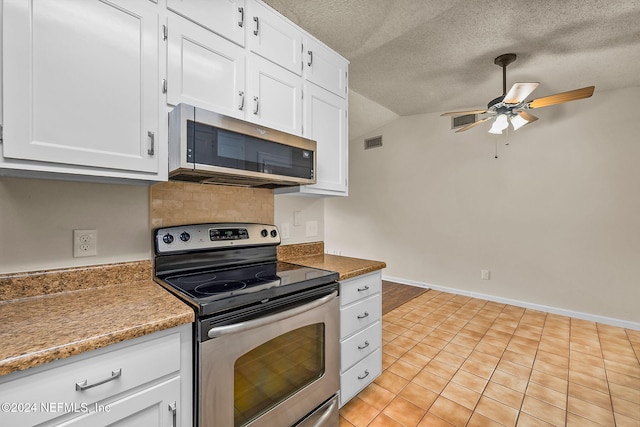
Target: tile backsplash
176, 203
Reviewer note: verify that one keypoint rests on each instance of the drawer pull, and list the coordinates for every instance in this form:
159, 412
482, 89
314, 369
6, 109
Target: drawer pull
363, 346
366, 374
362, 316
365, 288
84, 385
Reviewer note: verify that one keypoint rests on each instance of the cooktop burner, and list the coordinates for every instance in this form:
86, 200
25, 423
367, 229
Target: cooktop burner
217, 287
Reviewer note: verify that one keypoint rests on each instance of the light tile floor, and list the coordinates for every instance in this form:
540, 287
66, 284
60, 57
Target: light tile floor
451, 360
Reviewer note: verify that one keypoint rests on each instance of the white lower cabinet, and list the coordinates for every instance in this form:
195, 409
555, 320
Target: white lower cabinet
360, 333
152, 406
141, 382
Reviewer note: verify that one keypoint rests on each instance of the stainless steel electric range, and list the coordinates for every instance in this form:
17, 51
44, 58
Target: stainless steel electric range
266, 341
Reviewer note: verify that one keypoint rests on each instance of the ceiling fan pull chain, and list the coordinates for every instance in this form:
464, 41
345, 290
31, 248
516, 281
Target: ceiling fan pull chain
496, 139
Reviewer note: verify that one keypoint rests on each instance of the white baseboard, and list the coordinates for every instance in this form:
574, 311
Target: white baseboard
547, 309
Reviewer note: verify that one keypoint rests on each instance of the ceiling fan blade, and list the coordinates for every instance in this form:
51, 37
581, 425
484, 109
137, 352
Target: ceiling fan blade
559, 98
462, 113
521, 119
467, 127
519, 92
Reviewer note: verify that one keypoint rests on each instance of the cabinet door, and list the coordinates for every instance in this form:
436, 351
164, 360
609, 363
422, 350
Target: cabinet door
275, 96
275, 38
325, 121
324, 67
204, 69
224, 17
153, 406
81, 83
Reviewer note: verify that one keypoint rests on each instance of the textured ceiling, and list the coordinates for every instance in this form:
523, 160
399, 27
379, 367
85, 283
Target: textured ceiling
419, 56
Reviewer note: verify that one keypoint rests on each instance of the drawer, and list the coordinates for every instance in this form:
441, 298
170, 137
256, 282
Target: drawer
356, 347
360, 287
361, 375
359, 315
138, 364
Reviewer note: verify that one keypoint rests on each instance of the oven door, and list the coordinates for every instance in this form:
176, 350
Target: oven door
273, 370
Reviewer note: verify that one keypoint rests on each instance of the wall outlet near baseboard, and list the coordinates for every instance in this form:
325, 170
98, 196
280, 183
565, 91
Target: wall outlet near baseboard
485, 274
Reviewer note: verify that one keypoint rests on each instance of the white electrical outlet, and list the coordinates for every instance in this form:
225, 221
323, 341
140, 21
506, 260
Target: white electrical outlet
85, 243
485, 274
285, 230
297, 218
311, 228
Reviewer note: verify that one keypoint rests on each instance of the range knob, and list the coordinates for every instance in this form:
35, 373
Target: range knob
167, 238
274, 233
184, 236
264, 232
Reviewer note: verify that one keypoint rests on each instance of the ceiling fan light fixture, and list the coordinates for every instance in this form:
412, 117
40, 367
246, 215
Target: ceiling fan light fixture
512, 106
499, 125
518, 121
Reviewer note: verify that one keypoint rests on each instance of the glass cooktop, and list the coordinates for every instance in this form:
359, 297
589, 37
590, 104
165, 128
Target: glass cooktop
226, 288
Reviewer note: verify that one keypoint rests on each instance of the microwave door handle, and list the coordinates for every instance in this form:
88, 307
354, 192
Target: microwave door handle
252, 324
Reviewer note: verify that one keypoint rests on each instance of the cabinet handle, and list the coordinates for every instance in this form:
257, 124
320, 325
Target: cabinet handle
174, 410
255, 111
241, 106
241, 22
366, 374
84, 385
365, 288
310, 58
151, 151
362, 316
164, 85
257, 21
363, 346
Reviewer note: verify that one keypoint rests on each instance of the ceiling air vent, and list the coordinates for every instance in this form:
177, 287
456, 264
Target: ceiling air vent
374, 142
460, 121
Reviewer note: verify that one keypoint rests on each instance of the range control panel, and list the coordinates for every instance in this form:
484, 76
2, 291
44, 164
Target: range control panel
196, 237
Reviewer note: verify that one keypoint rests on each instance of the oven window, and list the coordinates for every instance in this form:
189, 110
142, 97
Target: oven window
277, 369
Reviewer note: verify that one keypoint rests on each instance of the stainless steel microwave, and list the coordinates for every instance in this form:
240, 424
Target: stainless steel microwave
209, 147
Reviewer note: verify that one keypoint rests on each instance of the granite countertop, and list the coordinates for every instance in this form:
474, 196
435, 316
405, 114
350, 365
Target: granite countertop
312, 255
50, 315
58, 314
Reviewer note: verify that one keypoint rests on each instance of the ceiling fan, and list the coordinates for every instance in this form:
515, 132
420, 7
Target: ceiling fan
511, 107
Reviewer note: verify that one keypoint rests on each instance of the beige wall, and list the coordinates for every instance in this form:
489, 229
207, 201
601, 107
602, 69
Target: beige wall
37, 219
309, 208
556, 218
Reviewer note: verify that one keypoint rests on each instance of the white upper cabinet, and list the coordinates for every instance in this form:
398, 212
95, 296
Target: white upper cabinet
325, 121
324, 67
275, 96
81, 88
274, 37
224, 17
204, 69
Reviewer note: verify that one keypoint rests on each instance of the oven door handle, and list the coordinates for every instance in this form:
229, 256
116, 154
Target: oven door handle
255, 323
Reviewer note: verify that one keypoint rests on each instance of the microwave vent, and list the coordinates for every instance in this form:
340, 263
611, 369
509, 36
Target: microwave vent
460, 121
374, 142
